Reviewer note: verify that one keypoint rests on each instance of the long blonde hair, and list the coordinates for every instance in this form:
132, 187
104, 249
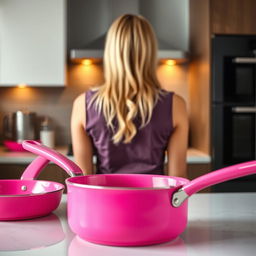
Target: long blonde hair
131, 87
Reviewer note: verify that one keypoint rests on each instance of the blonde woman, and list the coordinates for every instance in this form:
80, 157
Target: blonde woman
129, 122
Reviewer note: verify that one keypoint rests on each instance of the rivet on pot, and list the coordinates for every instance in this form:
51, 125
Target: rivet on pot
23, 188
176, 201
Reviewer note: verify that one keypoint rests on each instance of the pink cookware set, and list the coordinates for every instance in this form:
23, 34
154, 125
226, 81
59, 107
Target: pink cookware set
110, 209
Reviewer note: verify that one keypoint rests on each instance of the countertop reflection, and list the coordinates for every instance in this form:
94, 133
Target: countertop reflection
31, 234
219, 224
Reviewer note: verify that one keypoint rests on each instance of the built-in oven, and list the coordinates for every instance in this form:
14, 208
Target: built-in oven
239, 80
235, 133
233, 112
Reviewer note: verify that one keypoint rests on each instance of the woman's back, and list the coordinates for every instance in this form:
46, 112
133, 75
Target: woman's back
145, 153
130, 121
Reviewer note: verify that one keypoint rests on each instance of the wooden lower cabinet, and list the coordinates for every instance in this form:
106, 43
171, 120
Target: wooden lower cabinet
55, 173
50, 172
197, 170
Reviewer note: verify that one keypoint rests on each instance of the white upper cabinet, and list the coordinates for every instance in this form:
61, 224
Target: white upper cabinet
32, 42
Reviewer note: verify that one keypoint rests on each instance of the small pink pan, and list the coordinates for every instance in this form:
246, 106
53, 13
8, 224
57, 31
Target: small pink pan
27, 198
131, 209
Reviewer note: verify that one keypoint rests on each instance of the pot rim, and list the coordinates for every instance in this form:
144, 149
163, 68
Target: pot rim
184, 181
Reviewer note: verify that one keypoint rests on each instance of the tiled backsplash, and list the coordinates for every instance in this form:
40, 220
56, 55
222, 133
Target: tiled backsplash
57, 102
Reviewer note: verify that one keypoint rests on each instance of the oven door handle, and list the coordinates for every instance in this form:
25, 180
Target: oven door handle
245, 60
244, 110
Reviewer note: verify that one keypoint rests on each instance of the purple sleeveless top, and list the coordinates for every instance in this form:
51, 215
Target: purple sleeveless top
145, 153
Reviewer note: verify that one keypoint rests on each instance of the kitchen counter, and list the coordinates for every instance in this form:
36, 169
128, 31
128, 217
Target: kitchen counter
219, 224
194, 156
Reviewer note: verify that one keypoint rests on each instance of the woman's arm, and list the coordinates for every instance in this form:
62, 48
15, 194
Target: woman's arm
82, 146
178, 143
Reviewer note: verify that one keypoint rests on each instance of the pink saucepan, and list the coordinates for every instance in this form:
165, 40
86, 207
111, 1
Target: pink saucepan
131, 209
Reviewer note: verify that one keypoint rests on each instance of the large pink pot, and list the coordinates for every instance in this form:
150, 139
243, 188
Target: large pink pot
132, 209
124, 209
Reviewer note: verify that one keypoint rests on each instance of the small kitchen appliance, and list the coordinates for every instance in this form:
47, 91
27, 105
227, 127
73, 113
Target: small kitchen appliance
20, 125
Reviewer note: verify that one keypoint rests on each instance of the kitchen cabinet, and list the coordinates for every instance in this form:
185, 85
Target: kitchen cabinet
12, 165
199, 75
32, 42
214, 88
55, 173
50, 172
207, 18
233, 16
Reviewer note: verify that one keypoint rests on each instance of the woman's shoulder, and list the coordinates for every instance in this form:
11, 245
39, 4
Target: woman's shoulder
80, 99
179, 110
178, 100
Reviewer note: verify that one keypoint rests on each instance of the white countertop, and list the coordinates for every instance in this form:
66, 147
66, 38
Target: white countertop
218, 224
6, 157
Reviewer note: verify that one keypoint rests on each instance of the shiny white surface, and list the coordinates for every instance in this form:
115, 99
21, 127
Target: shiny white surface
219, 224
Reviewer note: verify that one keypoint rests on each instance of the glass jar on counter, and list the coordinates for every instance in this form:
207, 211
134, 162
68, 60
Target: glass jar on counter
47, 134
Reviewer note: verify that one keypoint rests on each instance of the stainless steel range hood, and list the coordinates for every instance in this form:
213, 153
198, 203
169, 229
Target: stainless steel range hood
114, 8
95, 49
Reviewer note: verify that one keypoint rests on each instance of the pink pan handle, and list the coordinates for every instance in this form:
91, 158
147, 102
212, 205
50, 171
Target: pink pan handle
34, 169
50, 155
215, 177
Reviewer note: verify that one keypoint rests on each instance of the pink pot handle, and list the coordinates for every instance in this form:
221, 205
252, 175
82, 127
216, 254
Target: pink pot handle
51, 155
34, 169
215, 177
